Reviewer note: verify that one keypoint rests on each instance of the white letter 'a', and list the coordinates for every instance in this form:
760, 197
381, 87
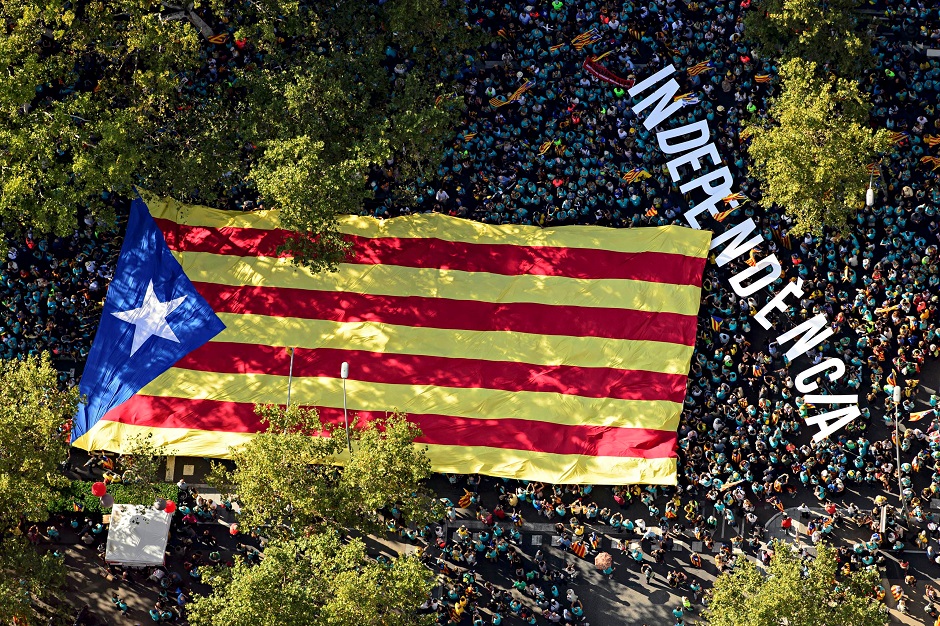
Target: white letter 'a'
828, 423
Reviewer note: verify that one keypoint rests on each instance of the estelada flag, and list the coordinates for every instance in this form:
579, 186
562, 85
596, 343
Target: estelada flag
720, 217
557, 355
716, 323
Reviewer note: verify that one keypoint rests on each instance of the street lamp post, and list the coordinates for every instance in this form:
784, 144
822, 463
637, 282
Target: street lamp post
897, 441
344, 373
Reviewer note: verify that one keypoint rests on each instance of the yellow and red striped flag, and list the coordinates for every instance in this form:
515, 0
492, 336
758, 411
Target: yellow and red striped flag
735, 197
897, 136
935, 161
637, 173
762, 78
722, 216
932, 140
543, 354
698, 68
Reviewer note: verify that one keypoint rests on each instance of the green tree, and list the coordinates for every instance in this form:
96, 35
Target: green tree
33, 443
33, 438
141, 467
316, 581
811, 155
825, 33
101, 95
796, 593
287, 480
25, 575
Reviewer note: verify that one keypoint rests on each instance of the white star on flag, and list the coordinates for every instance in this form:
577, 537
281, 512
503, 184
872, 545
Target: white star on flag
150, 318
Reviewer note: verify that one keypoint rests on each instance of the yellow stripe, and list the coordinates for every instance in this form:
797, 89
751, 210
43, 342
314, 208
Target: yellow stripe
471, 402
653, 356
395, 280
551, 468
559, 469
667, 239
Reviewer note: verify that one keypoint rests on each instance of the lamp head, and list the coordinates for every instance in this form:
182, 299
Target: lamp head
344, 370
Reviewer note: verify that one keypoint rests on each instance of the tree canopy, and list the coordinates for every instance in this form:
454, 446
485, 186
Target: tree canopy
796, 593
33, 438
318, 580
288, 481
313, 573
825, 33
33, 443
811, 155
295, 105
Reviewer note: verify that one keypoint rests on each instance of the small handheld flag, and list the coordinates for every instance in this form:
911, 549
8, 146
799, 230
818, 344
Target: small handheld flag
932, 160
720, 217
716, 323
637, 173
516, 95
687, 99
586, 38
698, 68
897, 137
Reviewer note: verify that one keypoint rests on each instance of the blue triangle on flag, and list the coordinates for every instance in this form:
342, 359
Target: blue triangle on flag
152, 317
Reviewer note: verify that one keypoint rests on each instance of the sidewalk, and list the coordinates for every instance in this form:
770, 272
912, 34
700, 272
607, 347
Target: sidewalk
610, 540
797, 535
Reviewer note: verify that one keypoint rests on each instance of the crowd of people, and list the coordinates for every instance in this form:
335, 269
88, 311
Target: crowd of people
569, 150
52, 290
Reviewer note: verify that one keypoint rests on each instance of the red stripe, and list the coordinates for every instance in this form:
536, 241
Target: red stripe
506, 259
423, 312
407, 369
507, 433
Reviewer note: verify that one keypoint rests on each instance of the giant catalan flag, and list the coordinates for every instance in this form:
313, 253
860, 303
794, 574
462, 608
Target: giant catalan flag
558, 355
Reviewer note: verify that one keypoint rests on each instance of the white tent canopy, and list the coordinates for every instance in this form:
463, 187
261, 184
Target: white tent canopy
137, 536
